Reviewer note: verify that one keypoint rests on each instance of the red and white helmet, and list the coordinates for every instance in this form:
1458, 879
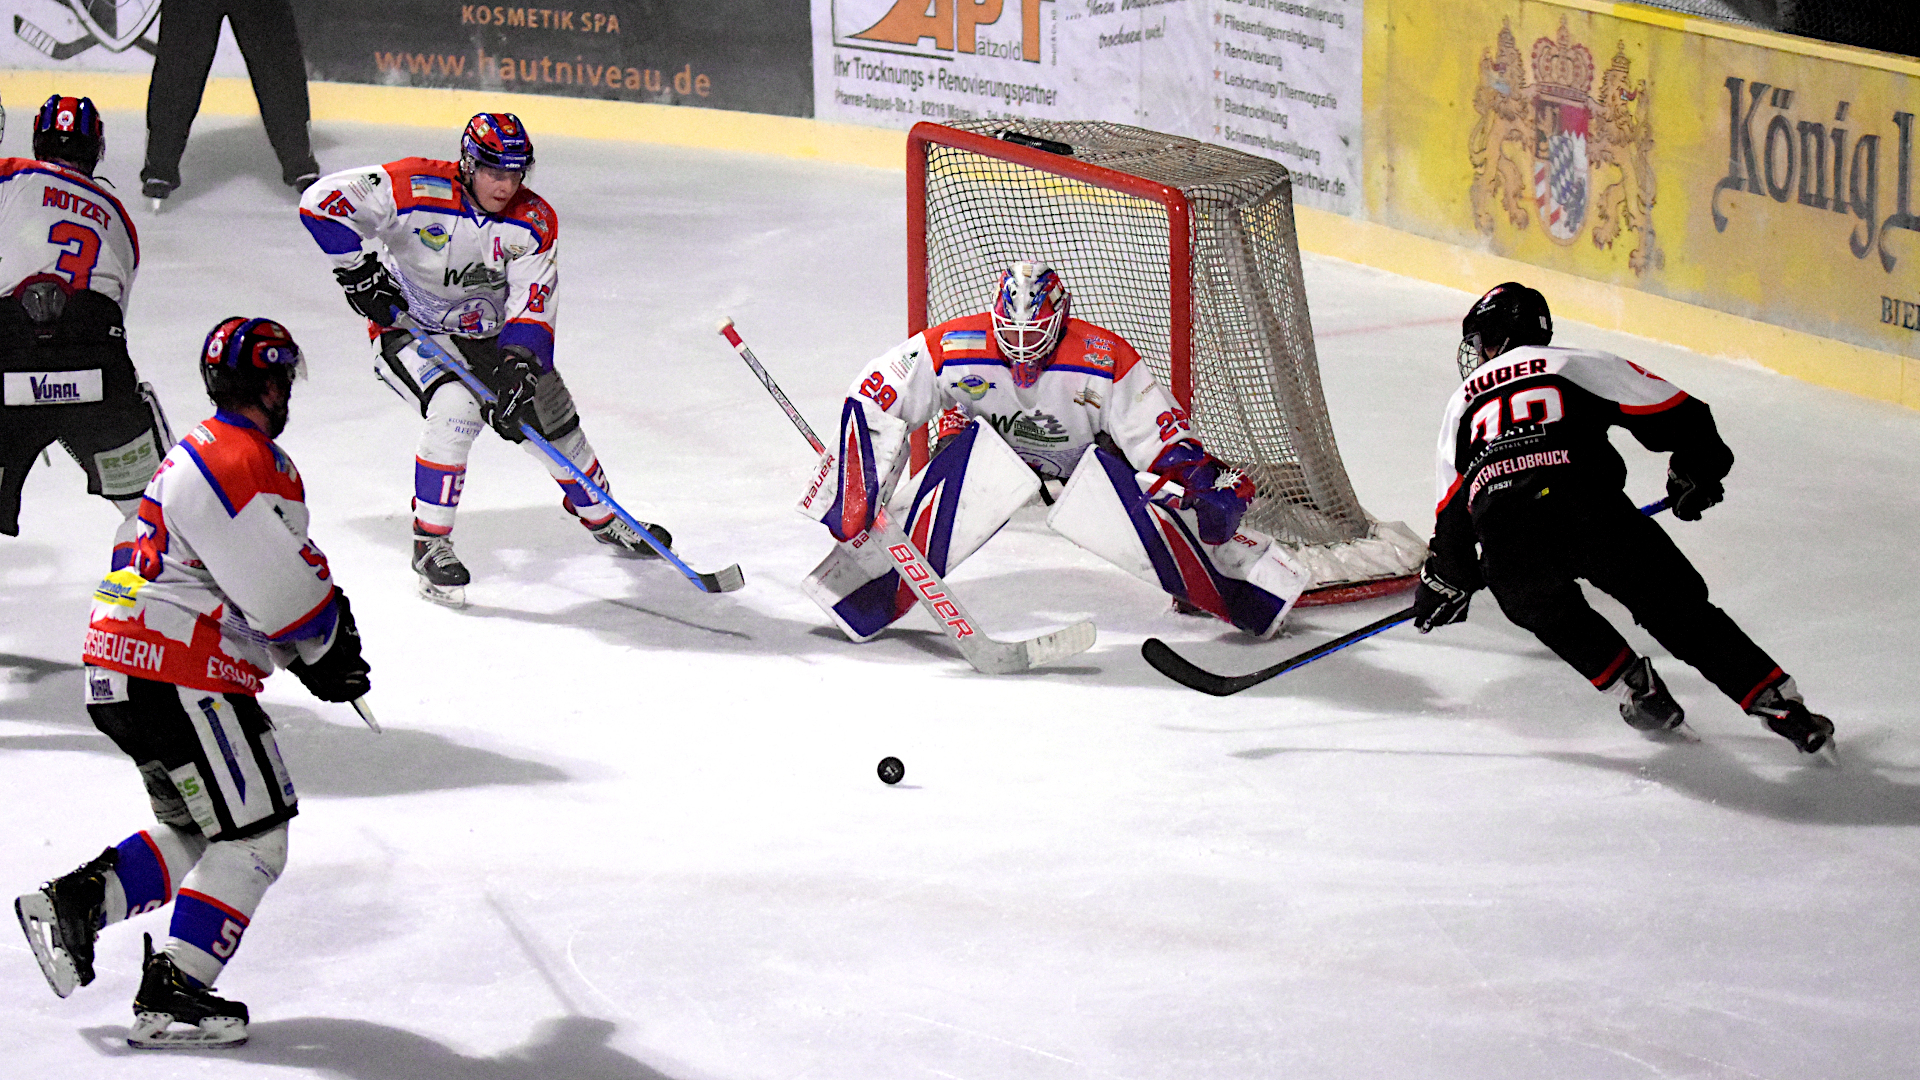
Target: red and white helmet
1029, 311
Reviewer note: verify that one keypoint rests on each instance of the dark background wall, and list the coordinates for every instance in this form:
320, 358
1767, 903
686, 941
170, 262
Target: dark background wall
751, 55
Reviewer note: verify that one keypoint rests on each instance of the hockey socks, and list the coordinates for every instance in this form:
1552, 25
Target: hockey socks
217, 900
149, 870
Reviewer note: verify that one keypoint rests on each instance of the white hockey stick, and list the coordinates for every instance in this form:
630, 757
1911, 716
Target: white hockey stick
884, 547
366, 713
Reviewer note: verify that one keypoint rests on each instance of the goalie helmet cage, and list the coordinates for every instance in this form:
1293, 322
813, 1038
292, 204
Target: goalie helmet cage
1185, 249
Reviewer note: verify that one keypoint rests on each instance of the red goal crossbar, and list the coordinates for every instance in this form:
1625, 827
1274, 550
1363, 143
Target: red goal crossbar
1179, 228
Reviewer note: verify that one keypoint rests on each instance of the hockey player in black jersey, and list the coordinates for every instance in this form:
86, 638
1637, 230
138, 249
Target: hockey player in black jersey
1528, 478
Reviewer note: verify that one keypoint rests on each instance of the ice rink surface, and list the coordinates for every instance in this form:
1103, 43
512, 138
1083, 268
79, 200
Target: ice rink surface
618, 829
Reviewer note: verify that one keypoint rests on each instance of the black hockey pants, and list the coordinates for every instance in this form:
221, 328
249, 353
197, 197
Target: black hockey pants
189, 32
1534, 549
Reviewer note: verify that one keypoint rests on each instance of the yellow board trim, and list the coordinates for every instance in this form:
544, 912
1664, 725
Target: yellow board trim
1804, 356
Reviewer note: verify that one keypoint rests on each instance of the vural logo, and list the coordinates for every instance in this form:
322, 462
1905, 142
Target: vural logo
52, 387
956, 26
116, 25
1584, 152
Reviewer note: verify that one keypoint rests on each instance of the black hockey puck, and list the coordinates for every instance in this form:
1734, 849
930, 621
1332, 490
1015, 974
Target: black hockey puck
891, 770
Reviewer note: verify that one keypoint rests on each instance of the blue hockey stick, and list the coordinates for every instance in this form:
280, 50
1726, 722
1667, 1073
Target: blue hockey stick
726, 580
1191, 675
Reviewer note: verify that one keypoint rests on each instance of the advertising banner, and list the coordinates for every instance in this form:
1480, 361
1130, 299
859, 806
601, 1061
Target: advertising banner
1742, 171
1277, 78
751, 55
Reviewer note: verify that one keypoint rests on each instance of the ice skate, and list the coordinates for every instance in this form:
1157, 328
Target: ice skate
155, 192
443, 578
62, 920
1786, 715
618, 534
168, 997
1644, 702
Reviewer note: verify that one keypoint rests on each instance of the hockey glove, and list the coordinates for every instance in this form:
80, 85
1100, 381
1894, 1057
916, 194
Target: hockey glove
371, 290
1438, 603
1691, 497
1218, 496
340, 674
519, 381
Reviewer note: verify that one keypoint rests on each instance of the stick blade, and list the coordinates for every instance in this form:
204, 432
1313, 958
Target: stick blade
990, 657
728, 580
365, 710
1184, 671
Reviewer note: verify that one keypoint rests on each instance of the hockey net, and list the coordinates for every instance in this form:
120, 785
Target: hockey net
1187, 250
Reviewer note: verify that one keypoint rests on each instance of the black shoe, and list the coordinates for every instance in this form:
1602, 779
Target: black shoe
1644, 702
168, 997
304, 181
1787, 716
63, 919
156, 189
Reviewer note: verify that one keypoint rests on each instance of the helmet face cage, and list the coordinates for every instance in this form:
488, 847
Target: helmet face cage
495, 141
1030, 311
242, 356
69, 129
1508, 316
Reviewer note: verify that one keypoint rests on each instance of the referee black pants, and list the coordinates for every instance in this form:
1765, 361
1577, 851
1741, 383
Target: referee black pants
1535, 551
189, 32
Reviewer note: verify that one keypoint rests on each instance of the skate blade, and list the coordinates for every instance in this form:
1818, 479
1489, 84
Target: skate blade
154, 1031
37, 922
1681, 732
453, 596
154, 205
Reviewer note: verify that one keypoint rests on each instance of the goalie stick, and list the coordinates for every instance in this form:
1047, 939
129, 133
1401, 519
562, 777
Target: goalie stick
885, 540
726, 580
1191, 675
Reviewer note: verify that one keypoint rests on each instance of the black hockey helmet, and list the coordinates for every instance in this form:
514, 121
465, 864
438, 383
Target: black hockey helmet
242, 357
69, 129
1508, 316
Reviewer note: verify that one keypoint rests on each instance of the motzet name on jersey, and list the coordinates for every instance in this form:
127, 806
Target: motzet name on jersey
54, 387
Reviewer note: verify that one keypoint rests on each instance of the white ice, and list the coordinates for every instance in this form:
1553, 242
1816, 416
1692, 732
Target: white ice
618, 829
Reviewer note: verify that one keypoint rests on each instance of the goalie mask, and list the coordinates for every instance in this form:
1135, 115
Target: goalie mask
1508, 316
1029, 315
242, 358
69, 129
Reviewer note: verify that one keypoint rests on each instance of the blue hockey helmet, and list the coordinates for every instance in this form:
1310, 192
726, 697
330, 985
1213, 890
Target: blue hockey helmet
1029, 315
496, 141
69, 129
242, 357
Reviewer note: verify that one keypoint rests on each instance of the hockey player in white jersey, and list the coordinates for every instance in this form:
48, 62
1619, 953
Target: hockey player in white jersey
68, 254
1042, 390
470, 255
224, 585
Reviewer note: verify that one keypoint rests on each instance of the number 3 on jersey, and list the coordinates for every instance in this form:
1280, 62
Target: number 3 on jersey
1534, 405
83, 251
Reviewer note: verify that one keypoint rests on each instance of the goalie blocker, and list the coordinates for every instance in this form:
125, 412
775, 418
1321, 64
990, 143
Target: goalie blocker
973, 486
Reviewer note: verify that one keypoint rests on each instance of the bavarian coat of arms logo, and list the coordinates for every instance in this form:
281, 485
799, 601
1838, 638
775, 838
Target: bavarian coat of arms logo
1554, 148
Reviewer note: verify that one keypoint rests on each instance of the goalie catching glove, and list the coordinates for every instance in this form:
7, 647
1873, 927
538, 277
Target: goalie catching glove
371, 290
1436, 602
340, 673
1218, 496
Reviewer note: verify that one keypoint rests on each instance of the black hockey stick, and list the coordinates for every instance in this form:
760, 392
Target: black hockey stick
1191, 675
726, 580
884, 541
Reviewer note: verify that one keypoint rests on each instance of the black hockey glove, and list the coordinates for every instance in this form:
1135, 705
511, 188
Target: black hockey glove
518, 381
1437, 603
341, 673
371, 290
1691, 497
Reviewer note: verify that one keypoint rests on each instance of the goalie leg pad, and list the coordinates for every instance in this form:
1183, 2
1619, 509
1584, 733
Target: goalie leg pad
1249, 581
845, 492
963, 496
